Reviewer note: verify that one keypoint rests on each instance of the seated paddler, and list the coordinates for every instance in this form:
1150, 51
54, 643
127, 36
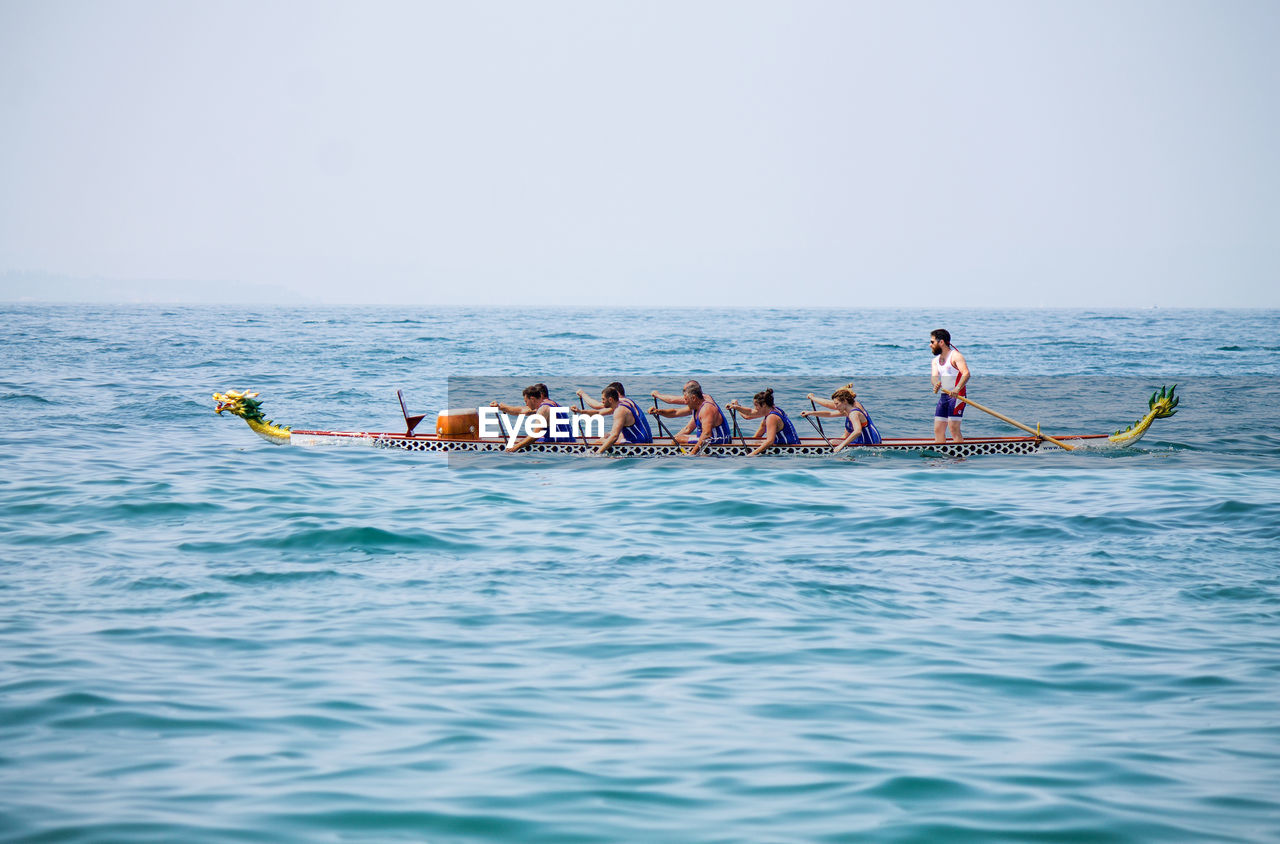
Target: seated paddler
858, 427
537, 402
775, 427
827, 403
708, 425
591, 407
629, 422
680, 399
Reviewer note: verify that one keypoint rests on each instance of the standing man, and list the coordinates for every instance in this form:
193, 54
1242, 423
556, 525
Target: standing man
948, 372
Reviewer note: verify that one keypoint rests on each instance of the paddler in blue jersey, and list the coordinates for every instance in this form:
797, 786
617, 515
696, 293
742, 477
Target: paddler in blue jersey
775, 427
629, 421
591, 407
537, 401
858, 427
708, 425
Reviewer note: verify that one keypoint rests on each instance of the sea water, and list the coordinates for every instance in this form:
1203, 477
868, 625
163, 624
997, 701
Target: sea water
204, 637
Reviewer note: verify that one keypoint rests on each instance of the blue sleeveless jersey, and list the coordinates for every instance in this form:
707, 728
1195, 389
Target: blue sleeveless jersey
638, 431
547, 438
720, 434
869, 435
787, 433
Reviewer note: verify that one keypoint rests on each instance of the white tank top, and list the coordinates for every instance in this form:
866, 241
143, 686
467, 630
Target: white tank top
946, 372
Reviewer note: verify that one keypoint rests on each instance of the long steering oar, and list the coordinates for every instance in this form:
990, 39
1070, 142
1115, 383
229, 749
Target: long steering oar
1015, 423
817, 426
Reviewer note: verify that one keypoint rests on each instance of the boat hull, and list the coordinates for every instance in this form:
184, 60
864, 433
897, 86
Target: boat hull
812, 447
246, 405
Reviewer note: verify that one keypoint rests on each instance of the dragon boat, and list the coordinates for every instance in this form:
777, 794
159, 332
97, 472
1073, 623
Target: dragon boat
449, 438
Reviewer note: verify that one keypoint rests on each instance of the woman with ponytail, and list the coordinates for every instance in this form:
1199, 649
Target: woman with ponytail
775, 427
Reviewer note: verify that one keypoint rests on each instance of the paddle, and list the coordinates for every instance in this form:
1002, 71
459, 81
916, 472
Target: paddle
663, 428
1059, 443
584, 427
741, 439
818, 426
502, 423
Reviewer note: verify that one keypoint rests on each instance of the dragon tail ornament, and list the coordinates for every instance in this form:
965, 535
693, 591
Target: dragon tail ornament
1162, 405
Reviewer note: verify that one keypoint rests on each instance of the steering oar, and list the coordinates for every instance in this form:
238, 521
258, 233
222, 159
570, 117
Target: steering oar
1015, 423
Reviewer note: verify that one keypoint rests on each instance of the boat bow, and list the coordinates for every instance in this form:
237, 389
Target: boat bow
247, 407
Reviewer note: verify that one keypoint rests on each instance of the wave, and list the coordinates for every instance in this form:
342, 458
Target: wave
24, 398
368, 539
256, 578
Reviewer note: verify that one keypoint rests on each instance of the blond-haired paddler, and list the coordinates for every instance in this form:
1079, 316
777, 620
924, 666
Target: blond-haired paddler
859, 429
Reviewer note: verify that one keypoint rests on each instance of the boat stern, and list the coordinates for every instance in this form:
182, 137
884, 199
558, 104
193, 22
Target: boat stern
1162, 404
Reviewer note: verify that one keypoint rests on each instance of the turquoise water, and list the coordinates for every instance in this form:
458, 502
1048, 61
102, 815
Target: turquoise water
206, 638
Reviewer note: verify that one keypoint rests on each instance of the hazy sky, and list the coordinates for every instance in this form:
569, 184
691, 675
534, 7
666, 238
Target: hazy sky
760, 153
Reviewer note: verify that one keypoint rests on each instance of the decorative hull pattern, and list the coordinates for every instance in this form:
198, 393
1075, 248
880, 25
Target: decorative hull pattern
1162, 404
807, 448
